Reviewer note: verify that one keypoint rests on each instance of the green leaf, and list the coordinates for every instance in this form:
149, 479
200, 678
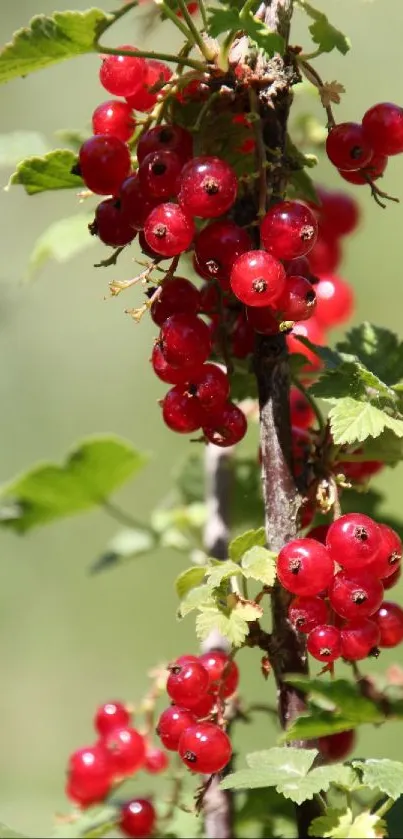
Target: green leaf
48, 40
189, 579
387, 447
222, 572
245, 541
385, 775
94, 822
19, 144
233, 626
228, 18
316, 723
53, 171
379, 349
353, 422
323, 32
223, 20
260, 564
94, 469
199, 597
61, 241
7, 833
301, 185
126, 545
341, 824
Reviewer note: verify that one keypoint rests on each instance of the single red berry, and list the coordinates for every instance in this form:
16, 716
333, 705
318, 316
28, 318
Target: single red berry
390, 622
167, 372
89, 775
358, 638
204, 706
383, 128
122, 75
389, 555
257, 278
306, 514
137, 818
210, 386
319, 533
181, 412
171, 725
115, 118
127, 750
326, 254
339, 212
305, 613
353, 540
308, 329
242, 337
156, 760
109, 716
336, 747
226, 425
178, 295
104, 163
168, 230
347, 146
157, 73
185, 339
335, 301
205, 748
289, 230
135, 205
304, 567
360, 471
373, 170
302, 413
187, 682
110, 225
223, 673
355, 594
393, 579
262, 319
165, 138
217, 247
208, 187
324, 643
159, 174
297, 267
298, 300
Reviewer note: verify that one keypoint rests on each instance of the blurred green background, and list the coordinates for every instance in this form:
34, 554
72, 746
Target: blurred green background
71, 363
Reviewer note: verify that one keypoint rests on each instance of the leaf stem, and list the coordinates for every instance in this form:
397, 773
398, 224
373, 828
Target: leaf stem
313, 76
384, 808
122, 516
196, 37
311, 400
203, 13
160, 56
176, 21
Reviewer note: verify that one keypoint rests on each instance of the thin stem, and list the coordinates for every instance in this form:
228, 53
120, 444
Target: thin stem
313, 76
160, 56
196, 37
122, 516
111, 260
176, 21
260, 153
384, 808
205, 109
310, 399
203, 12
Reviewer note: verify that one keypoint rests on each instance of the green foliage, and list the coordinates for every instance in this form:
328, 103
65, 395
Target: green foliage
259, 564
263, 813
247, 540
7, 833
53, 171
188, 580
16, 145
91, 472
323, 32
96, 821
228, 18
384, 775
342, 824
127, 544
232, 624
50, 39
61, 241
352, 421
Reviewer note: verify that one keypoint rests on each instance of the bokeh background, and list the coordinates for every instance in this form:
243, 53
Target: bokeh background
71, 363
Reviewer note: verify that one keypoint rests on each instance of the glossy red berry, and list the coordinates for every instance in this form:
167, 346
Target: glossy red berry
210, 386
289, 230
305, 613
156, 760
373, 170
159, 174
137, 818
185, 339
168, 230
347, 146
204, 706
353, 540
180, 411
171, 725
205, 748
110, 225
165, 138
135, 205
167, 372
355, 593
393, 579
257, 278
208, 187
262, 319
223, 673
122, 75
127, 750
305, 567
178, 295
115, 118
104, 163
335, 301
302, 413
383, 128
358, 639
109, 716
339, 212
319, 533
389, 555
89, 775
187, 682
225, 426
390, 622
324, 643
298, 267
336, 747
157, 73
298, 300
326, 254
217, 246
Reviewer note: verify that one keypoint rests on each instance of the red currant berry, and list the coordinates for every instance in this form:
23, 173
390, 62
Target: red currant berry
168, 230
262, 319
109, 716
171, 725
347, 146
374, 170
393, 579
308, 329
104, 163
127, 750
390, 622
209, 299
358, 638
167, 372
135, 206
335, 301
223, 673
360, 472
324, 643
242, 337
122, 75
137, 818
156, 760
304, 567
159, 174
165, 138
319, 533
181, 412
226, 425
208, 187
185, 339
297, 267
210, 386
257, 278
187, 682
302, 413
355, 594
336, 747
383, 128
110, 225
156, 73
353, 540
205, 748
326, 254
289, 230
305, 613
178, 295
298, 301
389, 555
339, 212
115, 118
217, 246
89, 775
204, 706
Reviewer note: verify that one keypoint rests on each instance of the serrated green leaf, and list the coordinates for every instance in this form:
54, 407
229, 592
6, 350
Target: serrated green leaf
222, 572
199, 597
7, 833
237, 547
94, 822
294, 762
127, 544
341, 824
248, 611
91, 472
323, 32
269, 42
16, 145
353, 422
41, 174
385, 775
232, 626
62, 240
50, 39
379, 349
301, 185
316, 723
259, 564
222, 20
189, 579
387, 447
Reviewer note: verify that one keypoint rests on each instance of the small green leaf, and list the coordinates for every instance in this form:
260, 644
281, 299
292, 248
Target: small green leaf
259, 564
126, 545
301, 185
387, 447
199, 597
222, 572
385, 775
248, 611
94, 822
53, 171
323, 32
232, 626
228, 18
378, 349
223, 20
247, 540
7, 833
19, 144
189, 579
316, 723
353, 422
48, 40
341, 824
61, 241
293, 762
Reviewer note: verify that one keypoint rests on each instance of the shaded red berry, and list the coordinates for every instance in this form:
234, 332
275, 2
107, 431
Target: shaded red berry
89, 775
339, 212
353, 540
187, 682
347, 146
156, 74
104, 163
181, 413
156, 760
208, 187
335, 301
109, 716
305, 613
389, 618
135, 205
223, 673
178, 295
358, 638
137, 818
262, 319
159, 174
171, 725
168, 230
115, 118
304, 567
165, 138
324, 643
122, 75
242, 337
326, 254
217, 247
355, 593
393, 579
373, 170
302, 413
336, 747
389, 555
185, 339
110, 225
126, 749
289, 230
210, 386
225, 426
298, 300
383, 128
205, 748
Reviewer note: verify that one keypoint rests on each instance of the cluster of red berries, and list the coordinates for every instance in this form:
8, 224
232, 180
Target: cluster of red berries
339, 575
198, 688
360, 151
